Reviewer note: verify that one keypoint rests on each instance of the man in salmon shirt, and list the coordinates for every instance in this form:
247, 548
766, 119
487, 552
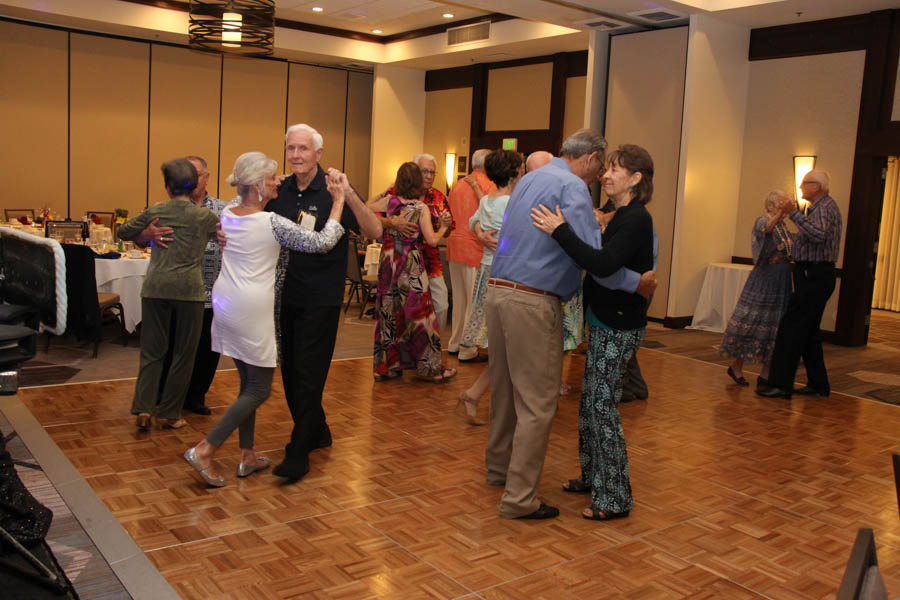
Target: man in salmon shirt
464, 250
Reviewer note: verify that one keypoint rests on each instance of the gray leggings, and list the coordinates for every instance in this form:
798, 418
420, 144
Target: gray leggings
256, 383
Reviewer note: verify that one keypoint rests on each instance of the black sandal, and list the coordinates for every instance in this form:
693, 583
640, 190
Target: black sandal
576, 486
599, 515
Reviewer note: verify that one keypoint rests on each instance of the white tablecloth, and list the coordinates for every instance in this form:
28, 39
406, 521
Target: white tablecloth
721, 289
124, 277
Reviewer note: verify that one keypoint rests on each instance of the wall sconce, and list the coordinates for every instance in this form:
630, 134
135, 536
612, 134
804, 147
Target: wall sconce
245, 27
802, 166
450, 166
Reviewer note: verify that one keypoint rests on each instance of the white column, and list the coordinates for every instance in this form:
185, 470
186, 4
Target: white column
595, 88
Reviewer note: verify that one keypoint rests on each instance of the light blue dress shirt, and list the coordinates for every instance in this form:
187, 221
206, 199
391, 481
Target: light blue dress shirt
490, 214
527, 255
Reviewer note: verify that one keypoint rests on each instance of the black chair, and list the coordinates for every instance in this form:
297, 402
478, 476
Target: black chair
359, 283
88, 308
862, 579
17, 345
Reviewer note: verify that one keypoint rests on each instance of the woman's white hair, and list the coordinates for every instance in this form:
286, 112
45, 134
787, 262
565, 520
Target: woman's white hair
250, 169
773, 197
318, 142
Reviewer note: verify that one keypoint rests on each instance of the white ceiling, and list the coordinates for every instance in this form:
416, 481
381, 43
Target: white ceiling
396, 16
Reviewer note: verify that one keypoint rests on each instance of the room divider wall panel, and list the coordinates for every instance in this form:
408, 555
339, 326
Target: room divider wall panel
184, 113
318, 97
359, 130
33, 116
108, 124
253, 112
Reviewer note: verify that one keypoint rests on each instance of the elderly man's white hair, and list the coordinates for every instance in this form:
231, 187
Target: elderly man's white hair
820, 177
250, 169
478, 157
418, 157
316, 136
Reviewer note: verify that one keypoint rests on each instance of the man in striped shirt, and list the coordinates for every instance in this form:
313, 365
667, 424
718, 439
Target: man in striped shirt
815, 251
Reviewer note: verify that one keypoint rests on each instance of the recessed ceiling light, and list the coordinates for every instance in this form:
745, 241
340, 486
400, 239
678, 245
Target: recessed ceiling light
377, 31
448, 15
318, 9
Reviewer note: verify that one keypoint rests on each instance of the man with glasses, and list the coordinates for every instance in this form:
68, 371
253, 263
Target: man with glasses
815, 251
529, 276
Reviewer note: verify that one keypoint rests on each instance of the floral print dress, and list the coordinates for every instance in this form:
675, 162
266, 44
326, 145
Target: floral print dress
406, 330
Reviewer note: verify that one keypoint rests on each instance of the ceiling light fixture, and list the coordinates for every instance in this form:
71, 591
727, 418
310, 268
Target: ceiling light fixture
244, 27
377, 31
318, 9
448, 15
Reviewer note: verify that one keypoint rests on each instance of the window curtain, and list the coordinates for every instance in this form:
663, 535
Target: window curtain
887, 268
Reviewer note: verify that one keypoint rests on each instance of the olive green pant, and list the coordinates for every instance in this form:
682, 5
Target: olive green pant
161, 318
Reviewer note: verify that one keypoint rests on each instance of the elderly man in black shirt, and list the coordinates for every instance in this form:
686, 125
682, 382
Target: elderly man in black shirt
312, 294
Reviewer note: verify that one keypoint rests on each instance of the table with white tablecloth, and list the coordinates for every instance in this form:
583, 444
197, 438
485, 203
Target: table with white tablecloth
123, 276
722, 287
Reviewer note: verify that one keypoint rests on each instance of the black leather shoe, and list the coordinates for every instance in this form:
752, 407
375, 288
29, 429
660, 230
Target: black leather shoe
292, 468
543, 512
811, 391
626, 397
761, 383
774, 392
198, 409
324, 438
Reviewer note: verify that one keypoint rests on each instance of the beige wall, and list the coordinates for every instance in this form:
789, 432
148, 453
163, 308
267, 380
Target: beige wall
398, 122
644, 107
108, 124
253, 112
573, 119
359, 128
448, 114
135, 104
179, 127
33, 120
782, 123
519, 97
318, 97
709, 170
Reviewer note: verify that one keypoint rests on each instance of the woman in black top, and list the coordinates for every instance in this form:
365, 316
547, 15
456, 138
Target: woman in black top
616, 323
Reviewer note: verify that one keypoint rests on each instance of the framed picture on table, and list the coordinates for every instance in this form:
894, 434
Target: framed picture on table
64, 232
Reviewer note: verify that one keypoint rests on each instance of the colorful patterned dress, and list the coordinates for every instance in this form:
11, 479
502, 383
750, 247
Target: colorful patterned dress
751, 331
406, 327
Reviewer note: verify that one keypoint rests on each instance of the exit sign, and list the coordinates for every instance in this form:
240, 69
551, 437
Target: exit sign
510, 143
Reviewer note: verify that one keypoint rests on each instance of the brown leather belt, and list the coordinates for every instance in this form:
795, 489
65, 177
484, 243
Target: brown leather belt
518, 286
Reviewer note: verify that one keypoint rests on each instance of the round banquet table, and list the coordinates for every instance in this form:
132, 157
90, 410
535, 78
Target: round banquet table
123, 276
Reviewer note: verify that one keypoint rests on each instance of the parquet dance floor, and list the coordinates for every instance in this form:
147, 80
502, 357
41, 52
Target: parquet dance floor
735, 496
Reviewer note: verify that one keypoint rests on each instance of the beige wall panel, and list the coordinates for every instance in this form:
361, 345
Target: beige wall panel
33, 107
108, 124
448, 116
184, 112
782, 123
398, 122
253, 112
318, 97
712, 146
645, 96
519, 97
573, 118
359, 130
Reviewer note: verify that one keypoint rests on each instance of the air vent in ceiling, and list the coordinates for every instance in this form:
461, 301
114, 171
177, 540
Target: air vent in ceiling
599, 24
468, 33
658, 15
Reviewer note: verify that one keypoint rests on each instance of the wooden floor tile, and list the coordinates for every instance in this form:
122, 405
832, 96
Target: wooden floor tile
735, 496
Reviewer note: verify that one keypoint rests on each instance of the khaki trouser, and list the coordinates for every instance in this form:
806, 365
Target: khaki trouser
525, 338
462, 279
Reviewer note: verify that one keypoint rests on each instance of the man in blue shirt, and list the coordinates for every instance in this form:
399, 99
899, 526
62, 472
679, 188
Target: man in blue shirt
530, 275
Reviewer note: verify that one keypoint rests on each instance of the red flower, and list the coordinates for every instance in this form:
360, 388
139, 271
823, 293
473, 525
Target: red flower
96, 220
24, 220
